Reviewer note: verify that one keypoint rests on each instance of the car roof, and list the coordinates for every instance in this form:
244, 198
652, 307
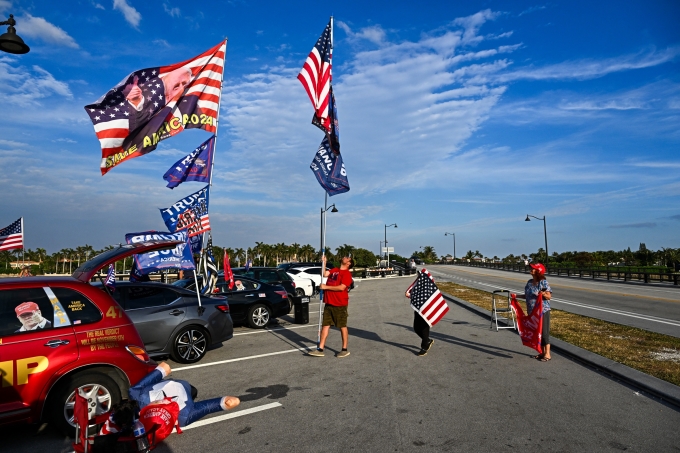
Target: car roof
40, 279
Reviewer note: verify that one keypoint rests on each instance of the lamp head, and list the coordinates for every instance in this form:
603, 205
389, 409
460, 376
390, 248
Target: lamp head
10, 42
527, 219
334, 209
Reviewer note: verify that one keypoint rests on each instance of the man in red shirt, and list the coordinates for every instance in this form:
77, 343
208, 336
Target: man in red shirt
336, 298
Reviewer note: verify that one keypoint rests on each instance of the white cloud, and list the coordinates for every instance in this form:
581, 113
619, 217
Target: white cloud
38, 27
23, 87
473, 23
173, 12
98, 5
590, 69
131, 15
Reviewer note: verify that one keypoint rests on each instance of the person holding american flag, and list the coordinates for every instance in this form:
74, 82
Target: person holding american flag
429, 307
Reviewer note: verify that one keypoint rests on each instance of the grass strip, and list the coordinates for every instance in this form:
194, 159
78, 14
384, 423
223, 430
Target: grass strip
652, 353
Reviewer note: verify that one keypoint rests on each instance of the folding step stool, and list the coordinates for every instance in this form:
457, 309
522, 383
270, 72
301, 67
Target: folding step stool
500, 300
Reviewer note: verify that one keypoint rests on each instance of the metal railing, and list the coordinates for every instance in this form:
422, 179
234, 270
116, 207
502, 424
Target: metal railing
626, 274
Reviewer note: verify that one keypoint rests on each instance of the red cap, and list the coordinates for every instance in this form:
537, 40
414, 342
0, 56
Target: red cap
26, 307
539, 267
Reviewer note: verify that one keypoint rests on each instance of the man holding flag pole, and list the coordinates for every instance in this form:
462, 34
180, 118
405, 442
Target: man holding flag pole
316, 77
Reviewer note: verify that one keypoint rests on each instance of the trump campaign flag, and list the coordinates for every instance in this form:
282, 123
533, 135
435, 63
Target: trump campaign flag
426, 298
194, 167
530, 326
110, 281
329, 169
12, 236
178, 258
190, 214
152, 104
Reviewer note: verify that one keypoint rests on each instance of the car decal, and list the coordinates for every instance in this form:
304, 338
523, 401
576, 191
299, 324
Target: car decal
60, 317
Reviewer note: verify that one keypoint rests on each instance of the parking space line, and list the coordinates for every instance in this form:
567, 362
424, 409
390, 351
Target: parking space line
191, 367
252, 410
273, 330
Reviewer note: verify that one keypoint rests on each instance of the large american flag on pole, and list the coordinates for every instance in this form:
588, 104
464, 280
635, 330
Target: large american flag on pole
316, 76
426, 298
12, 236
153, 104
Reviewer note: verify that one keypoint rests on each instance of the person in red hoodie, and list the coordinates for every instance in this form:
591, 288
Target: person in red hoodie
336, 298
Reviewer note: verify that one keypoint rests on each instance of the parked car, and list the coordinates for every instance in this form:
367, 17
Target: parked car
271, 275
286, 266
250, 301
59, 335
170, 321
313, 273
303, 286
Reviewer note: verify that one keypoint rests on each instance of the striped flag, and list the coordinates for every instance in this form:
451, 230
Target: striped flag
12, 236
316, 76
209, 268
153, 104
426, 298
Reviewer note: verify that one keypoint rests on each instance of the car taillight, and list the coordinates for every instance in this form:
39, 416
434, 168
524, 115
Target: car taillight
294, 285
283, 294
139, 353
224, 308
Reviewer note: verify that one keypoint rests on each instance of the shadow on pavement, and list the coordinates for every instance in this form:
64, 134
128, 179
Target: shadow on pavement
273, 392
492, 350
367, 335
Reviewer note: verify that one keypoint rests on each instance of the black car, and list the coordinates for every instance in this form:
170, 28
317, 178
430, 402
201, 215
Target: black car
271, 275
250, 302
169, 321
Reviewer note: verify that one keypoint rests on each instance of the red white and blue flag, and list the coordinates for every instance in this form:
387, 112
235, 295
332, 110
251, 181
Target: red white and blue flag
153, 104
12, 236
316, 76
426, 298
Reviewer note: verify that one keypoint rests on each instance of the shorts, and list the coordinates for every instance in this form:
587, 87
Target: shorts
335, 316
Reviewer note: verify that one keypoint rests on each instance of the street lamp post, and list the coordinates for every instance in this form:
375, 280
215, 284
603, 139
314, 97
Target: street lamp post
387, 248
454, 244
545, 234
11, 42
323, 265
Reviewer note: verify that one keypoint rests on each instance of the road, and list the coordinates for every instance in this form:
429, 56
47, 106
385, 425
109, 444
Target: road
651, 307
476, 390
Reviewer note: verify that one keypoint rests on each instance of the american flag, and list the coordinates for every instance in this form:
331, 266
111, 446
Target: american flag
123, 136
427, 300
12, 237
209, 268
316, 75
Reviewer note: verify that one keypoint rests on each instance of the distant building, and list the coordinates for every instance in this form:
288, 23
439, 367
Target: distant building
20, 264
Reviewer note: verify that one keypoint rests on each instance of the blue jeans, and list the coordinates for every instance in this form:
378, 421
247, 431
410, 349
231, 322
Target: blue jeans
191, 412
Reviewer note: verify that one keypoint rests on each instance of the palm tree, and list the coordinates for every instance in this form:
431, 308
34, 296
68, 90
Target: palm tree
239, 254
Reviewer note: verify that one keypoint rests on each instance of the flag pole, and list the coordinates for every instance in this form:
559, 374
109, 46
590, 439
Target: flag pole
323, 267
23, 248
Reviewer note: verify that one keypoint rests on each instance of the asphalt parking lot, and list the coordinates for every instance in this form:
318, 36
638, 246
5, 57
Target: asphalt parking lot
477, 390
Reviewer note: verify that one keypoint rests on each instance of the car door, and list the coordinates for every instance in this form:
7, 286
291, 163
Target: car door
156, 312
36, 340
241, 297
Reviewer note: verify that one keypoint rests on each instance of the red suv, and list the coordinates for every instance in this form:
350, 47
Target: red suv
58, 334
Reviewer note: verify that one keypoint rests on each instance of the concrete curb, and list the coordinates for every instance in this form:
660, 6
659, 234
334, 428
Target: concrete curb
654, 386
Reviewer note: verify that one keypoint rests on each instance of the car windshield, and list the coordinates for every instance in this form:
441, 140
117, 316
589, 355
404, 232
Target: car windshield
293, 271
284, 277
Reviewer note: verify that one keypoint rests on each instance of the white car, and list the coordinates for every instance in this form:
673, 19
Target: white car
313, 273
303, 286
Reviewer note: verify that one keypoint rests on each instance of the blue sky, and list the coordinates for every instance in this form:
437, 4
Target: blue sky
455, 118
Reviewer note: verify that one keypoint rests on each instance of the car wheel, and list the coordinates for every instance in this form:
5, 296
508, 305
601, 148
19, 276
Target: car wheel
101, 391
259, 316
299, 292
189, 345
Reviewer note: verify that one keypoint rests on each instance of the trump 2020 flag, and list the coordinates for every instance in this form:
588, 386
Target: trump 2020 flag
190, 214
194, 167
530, 326
426, 298
329, 169
110, 281
178, 258
153, 104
